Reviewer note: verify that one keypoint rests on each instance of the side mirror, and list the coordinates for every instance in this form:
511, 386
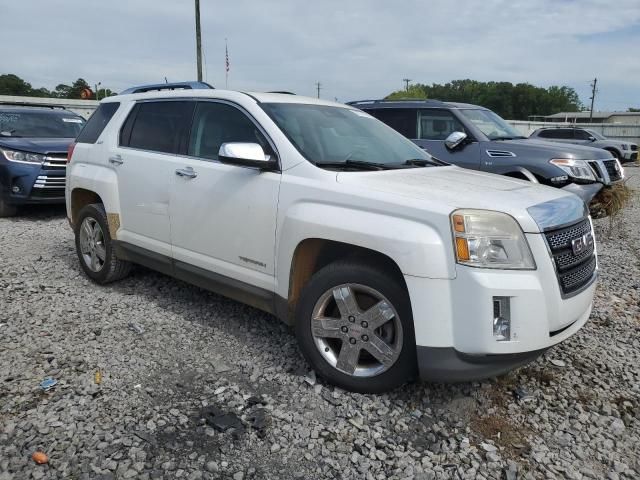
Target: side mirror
455, 139
245, 155
591, 138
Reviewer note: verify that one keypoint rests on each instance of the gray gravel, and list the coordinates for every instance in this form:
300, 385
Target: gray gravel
195, 386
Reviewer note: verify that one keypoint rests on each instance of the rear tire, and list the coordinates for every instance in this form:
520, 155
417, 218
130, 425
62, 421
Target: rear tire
354, 326
7, 210
94, 246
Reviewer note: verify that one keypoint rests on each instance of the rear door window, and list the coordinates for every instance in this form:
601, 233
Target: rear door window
97, 122
559, 133
402, 120
160, 126
438, 124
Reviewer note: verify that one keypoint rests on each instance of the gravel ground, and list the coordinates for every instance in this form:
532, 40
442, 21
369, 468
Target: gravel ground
192, 385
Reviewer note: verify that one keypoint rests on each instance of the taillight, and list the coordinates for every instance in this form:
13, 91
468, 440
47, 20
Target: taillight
70, 149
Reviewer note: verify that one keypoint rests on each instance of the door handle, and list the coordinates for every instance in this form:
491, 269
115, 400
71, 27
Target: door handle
116, 160
187, 172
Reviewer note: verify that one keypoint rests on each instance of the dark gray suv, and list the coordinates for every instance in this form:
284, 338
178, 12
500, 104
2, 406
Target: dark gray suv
475, 137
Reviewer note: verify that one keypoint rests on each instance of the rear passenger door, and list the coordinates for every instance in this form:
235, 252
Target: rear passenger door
434, 126
223, 217
144, 161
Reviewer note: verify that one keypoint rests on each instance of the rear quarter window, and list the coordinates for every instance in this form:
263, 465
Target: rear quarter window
158, 126
402, 120
97, 122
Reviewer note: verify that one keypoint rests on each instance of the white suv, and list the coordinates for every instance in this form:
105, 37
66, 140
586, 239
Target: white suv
389, 263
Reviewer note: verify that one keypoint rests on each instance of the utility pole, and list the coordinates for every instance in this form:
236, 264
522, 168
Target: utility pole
406, 83
318, 87
593, 97
198, 41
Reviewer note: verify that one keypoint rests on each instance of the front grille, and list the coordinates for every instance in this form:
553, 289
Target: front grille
573, 270
612, 170
48, 182
47, 193
634, 147
55, 162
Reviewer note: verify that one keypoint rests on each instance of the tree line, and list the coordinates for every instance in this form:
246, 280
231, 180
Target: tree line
11, 84
515, 102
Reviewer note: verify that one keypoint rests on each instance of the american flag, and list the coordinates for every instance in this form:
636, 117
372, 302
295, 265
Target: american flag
226, 52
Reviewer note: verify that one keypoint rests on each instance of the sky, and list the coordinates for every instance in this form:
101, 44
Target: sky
356, 49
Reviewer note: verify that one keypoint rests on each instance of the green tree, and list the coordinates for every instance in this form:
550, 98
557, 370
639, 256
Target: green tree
11, 84
516, 102
414, 92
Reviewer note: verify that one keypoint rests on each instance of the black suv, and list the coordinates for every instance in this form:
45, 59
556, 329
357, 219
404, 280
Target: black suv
475, 137
33, 154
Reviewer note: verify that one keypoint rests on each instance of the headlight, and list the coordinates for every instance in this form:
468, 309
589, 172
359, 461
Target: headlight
490, 240
23, 157
575, 168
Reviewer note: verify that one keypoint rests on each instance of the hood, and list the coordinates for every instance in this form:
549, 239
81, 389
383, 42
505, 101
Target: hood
456, 187
533, 147
36, 145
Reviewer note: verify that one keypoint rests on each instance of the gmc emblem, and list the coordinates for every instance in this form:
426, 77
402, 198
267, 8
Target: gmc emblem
581, 244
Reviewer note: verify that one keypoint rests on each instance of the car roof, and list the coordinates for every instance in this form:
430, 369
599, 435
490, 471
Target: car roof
411, 103
261, 97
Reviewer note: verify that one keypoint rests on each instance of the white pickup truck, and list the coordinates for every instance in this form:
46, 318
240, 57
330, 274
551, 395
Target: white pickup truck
389, 264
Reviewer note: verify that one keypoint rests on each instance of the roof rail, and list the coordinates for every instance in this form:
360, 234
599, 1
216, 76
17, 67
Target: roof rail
167, 86
27, 104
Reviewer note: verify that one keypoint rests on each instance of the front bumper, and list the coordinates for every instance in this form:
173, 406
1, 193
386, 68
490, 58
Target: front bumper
585, 191
35, 184
453, 319
630, 155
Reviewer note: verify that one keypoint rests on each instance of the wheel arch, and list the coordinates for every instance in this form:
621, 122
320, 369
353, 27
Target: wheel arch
614, 151
312, 254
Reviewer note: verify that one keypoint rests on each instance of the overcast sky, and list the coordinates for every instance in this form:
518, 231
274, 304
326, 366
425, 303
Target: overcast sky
356, 48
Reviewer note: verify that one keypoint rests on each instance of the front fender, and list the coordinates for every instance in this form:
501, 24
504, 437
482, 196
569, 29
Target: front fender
416, 247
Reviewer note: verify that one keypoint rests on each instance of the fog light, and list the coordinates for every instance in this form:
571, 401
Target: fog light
15, 189
501, 319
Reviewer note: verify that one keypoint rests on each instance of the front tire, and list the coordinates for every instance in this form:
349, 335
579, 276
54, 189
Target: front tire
94, 246
354, 326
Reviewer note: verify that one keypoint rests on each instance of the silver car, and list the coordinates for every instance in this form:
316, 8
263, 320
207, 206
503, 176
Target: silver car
623, 151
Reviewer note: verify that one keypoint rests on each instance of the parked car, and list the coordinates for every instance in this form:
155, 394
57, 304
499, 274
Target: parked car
388, 263
623, 151
475, 137
33, 154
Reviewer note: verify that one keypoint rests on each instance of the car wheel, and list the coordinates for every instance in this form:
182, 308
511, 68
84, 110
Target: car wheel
95, 248
7, 210
355, 328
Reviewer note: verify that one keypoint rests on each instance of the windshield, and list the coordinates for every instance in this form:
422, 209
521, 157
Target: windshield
39, 125
325, 134
492, 125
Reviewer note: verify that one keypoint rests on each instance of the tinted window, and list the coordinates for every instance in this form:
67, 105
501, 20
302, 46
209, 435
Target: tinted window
218, 123
438, 124
560, 133
97, 122
38, 124
159, 126
402, 120
582, 134
327, 134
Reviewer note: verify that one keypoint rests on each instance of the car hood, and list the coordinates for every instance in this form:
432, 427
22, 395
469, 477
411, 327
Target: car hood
36, 145
456, 187
532, 147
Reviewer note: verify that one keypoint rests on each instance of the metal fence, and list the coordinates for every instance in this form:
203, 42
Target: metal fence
618, 131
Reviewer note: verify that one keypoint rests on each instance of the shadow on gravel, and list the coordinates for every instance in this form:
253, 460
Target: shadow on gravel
39, 212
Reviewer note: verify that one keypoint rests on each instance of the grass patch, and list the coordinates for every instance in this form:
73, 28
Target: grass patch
611, 200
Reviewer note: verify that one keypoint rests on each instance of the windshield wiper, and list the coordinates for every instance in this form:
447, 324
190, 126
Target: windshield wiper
356, 164
426, 162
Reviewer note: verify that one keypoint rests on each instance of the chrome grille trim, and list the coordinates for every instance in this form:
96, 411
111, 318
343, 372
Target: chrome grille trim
45, 181
55, 161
